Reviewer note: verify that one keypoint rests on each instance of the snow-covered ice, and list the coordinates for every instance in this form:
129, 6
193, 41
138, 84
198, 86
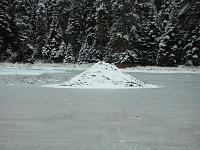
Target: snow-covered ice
103, 75
33, 117
58, 73
40, 68
18, 71
156, 69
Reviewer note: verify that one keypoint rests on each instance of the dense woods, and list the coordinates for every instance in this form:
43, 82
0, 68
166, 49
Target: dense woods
136, 32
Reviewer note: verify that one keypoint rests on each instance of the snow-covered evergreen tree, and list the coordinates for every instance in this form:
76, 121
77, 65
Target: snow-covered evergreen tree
60, 54
89, 41
10, 30
4, 28
41, 30
119, 32
69, 57
102, 29
1, 48
75, 27
25, 35
50, 51
28, 10
84, 53
145, 36
161, 32
192, 48
190, 18
52, 11
169, 41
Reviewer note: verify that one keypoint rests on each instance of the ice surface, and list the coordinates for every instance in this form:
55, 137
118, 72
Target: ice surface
48, 73
19, 71
40, 68
103, 75
36, 118
162, 70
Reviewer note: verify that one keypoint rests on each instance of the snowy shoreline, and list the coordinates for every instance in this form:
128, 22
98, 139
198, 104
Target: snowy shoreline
104, 76
40, 68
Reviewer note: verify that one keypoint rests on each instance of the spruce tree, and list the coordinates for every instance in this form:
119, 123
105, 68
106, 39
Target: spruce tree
26, 41
75, 27
69, 57
145, 38
192, 48
12, 41
169, 40
119, 34
102, 28
41, 30
4, 28
50, 50
190, 18
88, 45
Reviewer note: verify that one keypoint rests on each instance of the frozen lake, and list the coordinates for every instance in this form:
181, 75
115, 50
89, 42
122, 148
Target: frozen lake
37, 118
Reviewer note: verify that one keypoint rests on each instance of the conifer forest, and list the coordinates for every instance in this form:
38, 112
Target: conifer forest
136, 32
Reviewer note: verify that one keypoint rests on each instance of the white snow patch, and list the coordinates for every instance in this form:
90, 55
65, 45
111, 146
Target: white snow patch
18, 71
40, 68
103, 75
155, 69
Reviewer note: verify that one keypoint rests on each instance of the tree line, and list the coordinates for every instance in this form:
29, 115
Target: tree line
130, 32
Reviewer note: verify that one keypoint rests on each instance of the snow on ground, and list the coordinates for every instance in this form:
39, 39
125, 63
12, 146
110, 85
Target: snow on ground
33, 118
57, 73
155, 69
16, 71
17, 74
103, 75
26, 69
24, 79
40, 68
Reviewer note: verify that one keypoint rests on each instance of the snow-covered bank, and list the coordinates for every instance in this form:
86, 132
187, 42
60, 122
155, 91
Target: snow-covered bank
33, 118
19, 71
40, 68
103, 75
101, 86
155, 69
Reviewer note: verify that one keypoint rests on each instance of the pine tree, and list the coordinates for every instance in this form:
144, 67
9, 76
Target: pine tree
169, 40
84, 53
75, 27
190, 19
28, 10
4, 28
69, 57
41, 30
192, 48
12, 43
150, 32
124, 33
89, 41
15, 35
60, 54
119, 36
52, 11
50, 50
145, 37
26, 45
1, 48
102, 28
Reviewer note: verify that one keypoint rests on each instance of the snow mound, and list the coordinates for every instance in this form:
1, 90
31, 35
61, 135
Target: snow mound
102, 75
